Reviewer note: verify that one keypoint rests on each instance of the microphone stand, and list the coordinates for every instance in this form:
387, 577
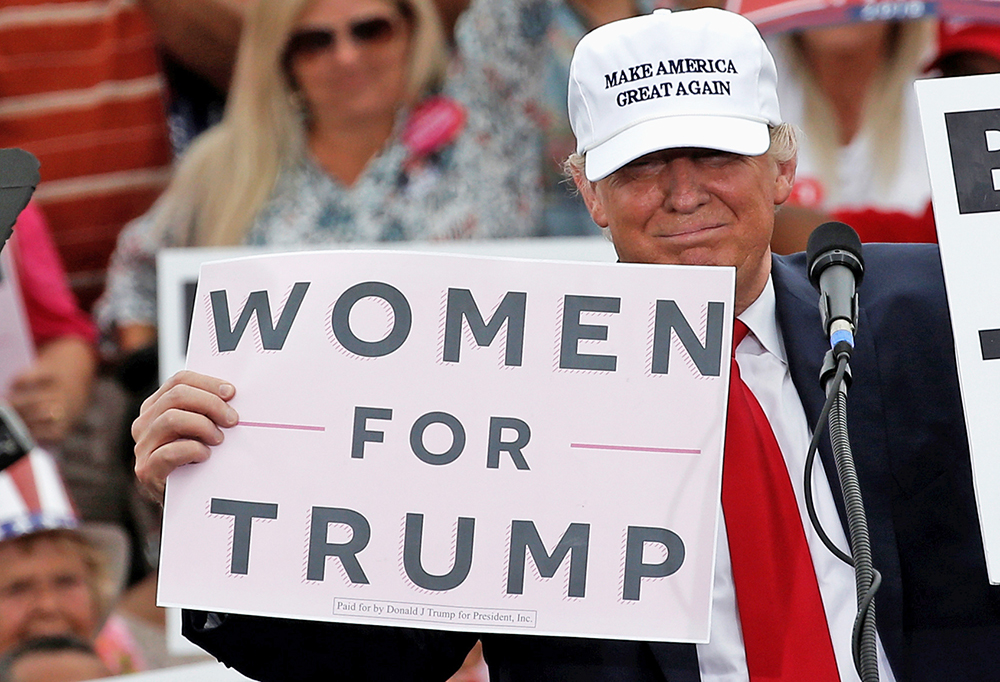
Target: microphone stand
835, 377
835, 267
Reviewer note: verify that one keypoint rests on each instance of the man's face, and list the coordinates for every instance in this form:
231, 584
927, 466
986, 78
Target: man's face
695, 207
44, 591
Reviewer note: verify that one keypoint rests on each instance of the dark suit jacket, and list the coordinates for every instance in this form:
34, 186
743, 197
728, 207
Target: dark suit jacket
938, 617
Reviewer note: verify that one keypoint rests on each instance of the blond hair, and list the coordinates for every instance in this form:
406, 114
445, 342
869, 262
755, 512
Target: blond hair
231, 170
909, 43
100, 584
783, 148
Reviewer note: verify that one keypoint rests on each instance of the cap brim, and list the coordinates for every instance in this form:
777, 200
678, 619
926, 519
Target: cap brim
736, 135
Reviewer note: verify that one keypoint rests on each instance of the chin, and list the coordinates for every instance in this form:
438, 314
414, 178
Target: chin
702, 256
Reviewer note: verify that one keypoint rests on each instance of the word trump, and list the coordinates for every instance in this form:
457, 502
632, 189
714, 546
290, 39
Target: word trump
524, 541
463, 313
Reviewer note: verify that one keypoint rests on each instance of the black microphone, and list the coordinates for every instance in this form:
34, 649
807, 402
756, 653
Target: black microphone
836, 267
18, 178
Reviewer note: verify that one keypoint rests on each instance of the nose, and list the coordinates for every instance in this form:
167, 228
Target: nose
346, 51
44, 617
46, 600
683, 188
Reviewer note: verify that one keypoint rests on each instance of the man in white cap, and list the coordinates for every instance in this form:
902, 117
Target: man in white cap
683, 157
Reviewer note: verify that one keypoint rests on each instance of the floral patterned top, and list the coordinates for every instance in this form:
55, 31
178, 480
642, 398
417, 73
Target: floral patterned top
564, 211
481, 182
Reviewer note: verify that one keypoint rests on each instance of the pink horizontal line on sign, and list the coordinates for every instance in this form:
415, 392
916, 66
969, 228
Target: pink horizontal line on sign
635, 448
294, 427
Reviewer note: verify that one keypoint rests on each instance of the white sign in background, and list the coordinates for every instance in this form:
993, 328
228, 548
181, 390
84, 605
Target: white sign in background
970, 242
611, 454
16, 346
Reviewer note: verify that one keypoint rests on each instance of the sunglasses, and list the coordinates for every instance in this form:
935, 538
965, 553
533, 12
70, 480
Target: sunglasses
362, 33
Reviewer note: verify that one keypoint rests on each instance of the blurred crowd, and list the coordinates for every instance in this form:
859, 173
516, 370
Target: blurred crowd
300, 123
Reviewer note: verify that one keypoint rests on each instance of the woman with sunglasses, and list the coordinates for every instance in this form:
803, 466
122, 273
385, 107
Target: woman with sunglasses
343, 125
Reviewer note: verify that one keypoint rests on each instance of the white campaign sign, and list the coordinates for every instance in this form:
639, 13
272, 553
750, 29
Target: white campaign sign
961, 123
452, 442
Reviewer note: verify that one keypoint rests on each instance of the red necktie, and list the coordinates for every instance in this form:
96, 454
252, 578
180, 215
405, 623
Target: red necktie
785, 631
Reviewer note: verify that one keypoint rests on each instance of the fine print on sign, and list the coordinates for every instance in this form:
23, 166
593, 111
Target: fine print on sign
452, 442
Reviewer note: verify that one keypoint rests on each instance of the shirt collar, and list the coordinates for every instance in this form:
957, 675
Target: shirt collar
762, 319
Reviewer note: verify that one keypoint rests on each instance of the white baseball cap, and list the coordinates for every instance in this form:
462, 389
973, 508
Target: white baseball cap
692, 78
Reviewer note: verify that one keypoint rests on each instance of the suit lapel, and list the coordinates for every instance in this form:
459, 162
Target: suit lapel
799, 321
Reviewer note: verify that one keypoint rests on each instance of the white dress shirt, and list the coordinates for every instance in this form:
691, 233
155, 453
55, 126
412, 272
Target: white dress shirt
764, 368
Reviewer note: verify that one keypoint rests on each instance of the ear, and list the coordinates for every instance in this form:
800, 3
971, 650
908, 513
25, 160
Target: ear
588, 190
784, 181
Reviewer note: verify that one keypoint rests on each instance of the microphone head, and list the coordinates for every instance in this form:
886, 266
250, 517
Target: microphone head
831, 243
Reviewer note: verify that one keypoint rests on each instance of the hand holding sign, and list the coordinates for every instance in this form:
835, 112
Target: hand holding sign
177, 424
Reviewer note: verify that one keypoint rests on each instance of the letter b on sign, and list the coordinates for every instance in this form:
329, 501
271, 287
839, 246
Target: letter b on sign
974, 139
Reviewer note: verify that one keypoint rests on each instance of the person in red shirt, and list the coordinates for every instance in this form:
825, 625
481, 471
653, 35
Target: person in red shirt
54, 391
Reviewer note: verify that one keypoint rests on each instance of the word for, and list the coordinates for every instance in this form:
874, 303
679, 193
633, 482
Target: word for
495, 444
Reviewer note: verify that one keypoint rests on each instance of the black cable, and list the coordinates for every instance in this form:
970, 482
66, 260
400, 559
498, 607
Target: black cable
865, 623
811, 457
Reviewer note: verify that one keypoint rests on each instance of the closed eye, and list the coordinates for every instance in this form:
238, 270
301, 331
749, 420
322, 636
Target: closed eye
714, 157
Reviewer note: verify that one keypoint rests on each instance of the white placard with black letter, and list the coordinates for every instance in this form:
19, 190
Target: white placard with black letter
961, 123
453, 442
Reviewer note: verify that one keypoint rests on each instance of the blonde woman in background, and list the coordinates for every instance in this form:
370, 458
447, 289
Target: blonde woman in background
849, 88
343, 124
